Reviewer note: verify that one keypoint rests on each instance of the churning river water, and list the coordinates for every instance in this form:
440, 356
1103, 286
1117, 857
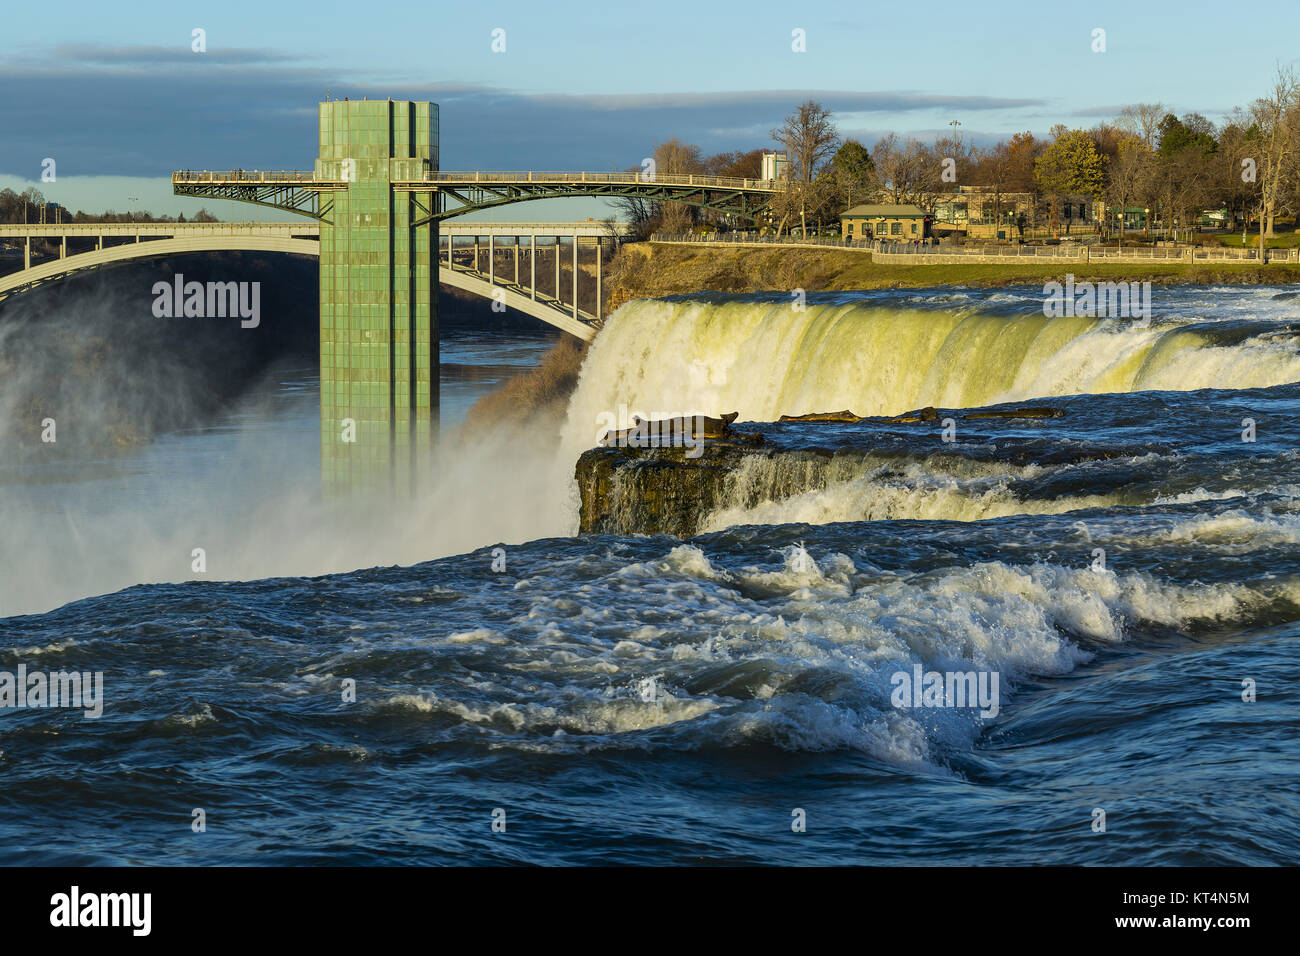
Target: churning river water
1129, 571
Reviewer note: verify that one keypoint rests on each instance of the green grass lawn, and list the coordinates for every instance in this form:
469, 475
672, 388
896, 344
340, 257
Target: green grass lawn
657, 269
1287, 240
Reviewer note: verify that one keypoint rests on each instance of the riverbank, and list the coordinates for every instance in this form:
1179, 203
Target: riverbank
651, 269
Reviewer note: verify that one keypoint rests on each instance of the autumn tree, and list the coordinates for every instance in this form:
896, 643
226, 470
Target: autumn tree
736, 165
1022, 153
1071, 165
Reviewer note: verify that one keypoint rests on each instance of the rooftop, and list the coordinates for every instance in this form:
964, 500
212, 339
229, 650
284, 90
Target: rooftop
886, 210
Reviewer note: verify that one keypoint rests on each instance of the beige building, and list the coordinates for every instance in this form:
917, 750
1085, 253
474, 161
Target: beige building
898, 222
979, 212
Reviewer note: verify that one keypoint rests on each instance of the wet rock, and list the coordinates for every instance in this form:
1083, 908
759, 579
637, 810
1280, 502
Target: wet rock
1043, 411
629, 490
845, 416
671, 432
927, 414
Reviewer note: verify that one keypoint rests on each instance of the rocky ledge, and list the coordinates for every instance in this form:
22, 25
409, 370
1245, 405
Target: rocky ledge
667, 477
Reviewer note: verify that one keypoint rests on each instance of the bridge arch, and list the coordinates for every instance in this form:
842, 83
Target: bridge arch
513, 298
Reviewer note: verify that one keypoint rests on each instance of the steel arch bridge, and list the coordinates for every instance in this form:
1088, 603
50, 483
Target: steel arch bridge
480, 275
443, 195
379, 203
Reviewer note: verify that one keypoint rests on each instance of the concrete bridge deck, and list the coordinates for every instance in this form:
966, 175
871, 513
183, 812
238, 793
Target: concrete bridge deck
460, 240
586, 229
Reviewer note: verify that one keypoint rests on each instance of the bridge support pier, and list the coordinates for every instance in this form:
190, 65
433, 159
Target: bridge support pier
378, 297
27, 253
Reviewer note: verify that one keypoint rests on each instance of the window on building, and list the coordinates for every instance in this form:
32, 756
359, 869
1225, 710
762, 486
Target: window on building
895, 228
849, 229
914, 229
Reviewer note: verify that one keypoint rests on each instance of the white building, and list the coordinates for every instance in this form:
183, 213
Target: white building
775, 166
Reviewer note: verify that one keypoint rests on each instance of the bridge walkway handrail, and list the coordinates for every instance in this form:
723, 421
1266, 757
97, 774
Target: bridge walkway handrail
246, 176
190, 176
146, 228
1094, 252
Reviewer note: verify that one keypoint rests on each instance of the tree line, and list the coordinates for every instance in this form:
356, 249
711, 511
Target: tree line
26, 206
1173, 167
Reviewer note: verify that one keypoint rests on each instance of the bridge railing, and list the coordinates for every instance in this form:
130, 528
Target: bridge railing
626, 178
243, 176
193, 176
149, 231
752, 238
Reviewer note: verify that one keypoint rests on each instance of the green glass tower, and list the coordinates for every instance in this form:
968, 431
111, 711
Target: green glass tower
378, 296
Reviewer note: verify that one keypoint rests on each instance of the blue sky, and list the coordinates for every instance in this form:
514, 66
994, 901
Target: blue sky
114, 93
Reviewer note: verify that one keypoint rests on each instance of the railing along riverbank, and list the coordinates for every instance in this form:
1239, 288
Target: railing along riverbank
754, 239
929, 252
908, 254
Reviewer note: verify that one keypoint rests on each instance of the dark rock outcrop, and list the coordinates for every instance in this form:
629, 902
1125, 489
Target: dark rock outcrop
844, 417
645, 480
1031, 412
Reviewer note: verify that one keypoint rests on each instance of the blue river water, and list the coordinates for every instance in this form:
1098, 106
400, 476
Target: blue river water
1129, 570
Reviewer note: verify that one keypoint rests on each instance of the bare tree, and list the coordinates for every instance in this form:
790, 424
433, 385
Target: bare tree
1279, 128
1143, 121
675, 158
993, 168
1129, 172
809, 138
906, 170
638, 212
1238, 143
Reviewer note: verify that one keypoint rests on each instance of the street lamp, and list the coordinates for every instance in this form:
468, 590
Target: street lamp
133, 202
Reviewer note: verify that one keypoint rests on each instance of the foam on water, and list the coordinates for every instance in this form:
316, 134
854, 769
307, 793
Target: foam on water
798, 656
765, 359
881, 490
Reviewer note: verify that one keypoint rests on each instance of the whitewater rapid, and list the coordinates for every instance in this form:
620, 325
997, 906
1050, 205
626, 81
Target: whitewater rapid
872, 355
765, 359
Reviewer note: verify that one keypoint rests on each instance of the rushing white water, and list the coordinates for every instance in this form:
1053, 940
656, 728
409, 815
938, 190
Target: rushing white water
766, 360
874, 490
756, 358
